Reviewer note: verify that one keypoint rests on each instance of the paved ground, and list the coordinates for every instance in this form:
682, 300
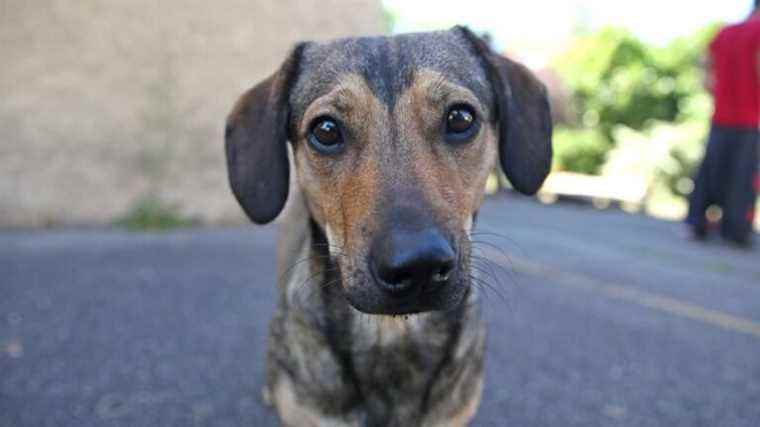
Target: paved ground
601, 319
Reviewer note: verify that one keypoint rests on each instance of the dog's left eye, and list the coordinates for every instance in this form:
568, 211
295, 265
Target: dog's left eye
461, 123
326, 136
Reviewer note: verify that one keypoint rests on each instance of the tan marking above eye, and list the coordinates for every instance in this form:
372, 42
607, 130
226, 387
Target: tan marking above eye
440, 93
351, 101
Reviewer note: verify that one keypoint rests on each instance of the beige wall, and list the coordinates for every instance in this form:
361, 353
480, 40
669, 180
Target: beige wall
102, 101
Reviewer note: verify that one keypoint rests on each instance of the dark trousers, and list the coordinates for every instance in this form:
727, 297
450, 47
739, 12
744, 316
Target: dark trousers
727, 178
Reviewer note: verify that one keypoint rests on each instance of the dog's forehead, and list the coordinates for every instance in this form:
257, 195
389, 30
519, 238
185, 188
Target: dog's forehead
388, 64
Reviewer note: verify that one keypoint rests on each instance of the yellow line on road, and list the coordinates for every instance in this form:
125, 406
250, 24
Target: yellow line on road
627, 293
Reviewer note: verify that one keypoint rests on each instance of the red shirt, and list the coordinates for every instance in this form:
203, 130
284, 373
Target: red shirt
734, 55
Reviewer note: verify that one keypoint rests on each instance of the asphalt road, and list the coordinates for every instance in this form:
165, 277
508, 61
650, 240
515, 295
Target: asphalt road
596, 319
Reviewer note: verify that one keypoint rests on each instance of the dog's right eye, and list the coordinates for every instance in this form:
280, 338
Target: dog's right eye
326, 136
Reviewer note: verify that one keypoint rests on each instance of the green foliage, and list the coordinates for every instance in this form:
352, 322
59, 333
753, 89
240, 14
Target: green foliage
617, 80
579, 150
149, 213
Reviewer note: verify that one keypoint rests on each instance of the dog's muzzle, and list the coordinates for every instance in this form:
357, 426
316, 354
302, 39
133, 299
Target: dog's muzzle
413, 270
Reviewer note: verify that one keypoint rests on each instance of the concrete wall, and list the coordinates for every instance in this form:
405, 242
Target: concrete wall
105, 101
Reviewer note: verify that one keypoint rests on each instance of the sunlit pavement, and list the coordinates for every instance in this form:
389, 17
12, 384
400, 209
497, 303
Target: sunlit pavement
596, 319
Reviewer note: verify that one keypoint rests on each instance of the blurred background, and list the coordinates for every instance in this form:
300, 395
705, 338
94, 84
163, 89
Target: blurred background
112, 112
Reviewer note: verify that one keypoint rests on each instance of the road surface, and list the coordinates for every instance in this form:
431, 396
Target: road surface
596, 318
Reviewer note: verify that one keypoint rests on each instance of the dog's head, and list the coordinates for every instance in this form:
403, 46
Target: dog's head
393, 139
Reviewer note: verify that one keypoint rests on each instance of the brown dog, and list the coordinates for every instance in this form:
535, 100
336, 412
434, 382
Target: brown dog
382, 147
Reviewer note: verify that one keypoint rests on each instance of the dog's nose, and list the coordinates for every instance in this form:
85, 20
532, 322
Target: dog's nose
406, 261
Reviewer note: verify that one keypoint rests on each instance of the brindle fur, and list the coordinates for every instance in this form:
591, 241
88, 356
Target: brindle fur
329, 364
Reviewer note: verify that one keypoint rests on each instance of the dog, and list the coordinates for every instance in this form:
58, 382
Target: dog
381, 147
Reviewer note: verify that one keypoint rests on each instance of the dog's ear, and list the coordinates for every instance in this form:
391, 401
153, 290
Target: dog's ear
256, 138
524, 115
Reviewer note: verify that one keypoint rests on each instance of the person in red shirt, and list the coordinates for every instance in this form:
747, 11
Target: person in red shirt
728, 175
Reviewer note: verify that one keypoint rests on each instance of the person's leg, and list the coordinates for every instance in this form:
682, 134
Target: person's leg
704, 193
741, 194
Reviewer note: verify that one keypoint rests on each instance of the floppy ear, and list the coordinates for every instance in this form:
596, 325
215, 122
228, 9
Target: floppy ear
525, 121
256, 144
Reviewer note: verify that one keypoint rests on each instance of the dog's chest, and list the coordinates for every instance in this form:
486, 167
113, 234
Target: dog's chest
397, 354
395, 363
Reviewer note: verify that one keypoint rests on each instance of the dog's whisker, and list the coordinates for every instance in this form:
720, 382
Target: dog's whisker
313, 256
307, 293
483, 290
310, 257
503, 237
487, 261
496, 270
487, 274
501, 282
306, 283
320, 287
484, 284
482, 256
493, 246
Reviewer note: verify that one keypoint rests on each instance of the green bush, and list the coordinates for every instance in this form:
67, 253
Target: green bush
579, 150
624, 88
150, 213
616, 80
